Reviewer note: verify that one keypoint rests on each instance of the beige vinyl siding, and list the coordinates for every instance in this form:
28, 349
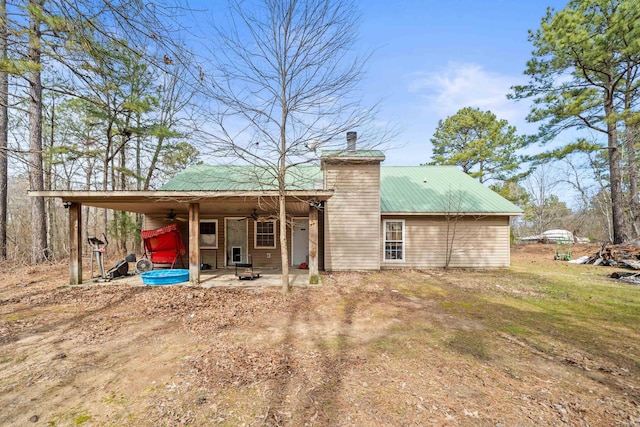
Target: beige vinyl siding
478, 242
352, 217
154, 221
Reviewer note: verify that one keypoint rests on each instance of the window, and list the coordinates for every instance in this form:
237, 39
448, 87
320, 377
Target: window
209, 234
265, 232
393, 240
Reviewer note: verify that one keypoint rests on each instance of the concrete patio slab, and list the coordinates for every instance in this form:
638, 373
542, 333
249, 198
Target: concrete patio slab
226, 277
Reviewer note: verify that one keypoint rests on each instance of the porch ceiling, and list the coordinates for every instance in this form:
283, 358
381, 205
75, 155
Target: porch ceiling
159, 202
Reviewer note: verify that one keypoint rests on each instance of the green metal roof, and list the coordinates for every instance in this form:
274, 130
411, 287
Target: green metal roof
242, 178
403, 189
437, 189
352, 154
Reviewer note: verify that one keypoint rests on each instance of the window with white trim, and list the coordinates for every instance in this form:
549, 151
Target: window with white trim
209, 234
394, 240
265, 234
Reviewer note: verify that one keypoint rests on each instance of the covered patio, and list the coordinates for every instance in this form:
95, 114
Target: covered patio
226, 278
192, 207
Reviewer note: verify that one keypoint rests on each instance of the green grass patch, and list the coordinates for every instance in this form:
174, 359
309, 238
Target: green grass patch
331, 343
468, 343
115, 399
574, 307
554, 300
18, 316
389, 345
73, 418
416, 284
81, 418
517, 330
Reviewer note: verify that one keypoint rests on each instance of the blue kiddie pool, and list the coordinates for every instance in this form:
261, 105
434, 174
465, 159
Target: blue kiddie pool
165, 277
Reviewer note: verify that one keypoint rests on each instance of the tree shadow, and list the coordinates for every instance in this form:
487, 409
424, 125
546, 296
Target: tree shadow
125, 293
539, 330
317, 401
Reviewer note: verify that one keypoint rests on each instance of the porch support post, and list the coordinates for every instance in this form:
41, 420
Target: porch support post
314, 276
75, 244
194, 243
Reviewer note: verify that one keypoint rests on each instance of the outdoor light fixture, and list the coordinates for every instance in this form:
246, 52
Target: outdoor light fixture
317, 204
67, 204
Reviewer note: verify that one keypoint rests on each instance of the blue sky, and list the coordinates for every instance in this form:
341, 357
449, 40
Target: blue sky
431, 58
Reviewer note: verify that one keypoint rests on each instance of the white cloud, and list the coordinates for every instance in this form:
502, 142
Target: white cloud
443, 92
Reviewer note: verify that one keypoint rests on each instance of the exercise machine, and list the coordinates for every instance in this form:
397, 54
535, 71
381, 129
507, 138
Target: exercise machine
98, 249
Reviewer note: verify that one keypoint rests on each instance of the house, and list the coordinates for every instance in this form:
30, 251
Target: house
348, 213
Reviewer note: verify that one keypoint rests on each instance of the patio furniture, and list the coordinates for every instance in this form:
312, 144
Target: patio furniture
163, 245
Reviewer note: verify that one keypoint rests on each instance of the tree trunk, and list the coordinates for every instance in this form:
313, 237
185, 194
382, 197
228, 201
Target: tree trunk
615, 178
139, 184
85, 214
121, 223
39, 251
105, 177
284, 253
282, 187
632, 170
154, 161
4, 132
48, 179
631, 134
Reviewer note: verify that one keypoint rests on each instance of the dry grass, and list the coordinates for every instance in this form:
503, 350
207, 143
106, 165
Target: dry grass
543, 343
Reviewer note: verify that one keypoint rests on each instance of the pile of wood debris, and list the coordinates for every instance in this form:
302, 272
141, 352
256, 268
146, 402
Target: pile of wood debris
626, 276
625, 255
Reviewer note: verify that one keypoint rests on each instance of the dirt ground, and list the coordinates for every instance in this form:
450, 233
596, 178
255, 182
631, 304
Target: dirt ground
354, 351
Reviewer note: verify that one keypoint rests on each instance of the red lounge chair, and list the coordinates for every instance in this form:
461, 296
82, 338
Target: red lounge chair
163, 245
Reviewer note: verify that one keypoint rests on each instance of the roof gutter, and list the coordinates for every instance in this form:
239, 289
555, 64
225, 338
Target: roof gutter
159, 195
451, 213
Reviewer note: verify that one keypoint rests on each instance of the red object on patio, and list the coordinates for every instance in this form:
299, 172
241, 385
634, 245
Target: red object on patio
163, 245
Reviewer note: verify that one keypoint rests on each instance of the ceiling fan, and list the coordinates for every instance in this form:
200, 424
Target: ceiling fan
253, 215
172, 216
257, 217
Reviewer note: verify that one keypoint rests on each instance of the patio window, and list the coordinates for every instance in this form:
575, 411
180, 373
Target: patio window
393, 241
209, 234
265, 234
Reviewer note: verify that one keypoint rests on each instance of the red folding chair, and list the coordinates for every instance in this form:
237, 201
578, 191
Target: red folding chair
163, 245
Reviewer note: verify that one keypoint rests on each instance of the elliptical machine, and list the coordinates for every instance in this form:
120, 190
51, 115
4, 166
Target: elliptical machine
97, 253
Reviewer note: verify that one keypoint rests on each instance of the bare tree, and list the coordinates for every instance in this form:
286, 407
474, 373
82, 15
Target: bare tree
544, 209
451, 205
285, 81
176, 100
459, 231
586, 173
4, 129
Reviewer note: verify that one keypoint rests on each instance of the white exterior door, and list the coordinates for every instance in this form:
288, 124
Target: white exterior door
236, 240
300, 241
